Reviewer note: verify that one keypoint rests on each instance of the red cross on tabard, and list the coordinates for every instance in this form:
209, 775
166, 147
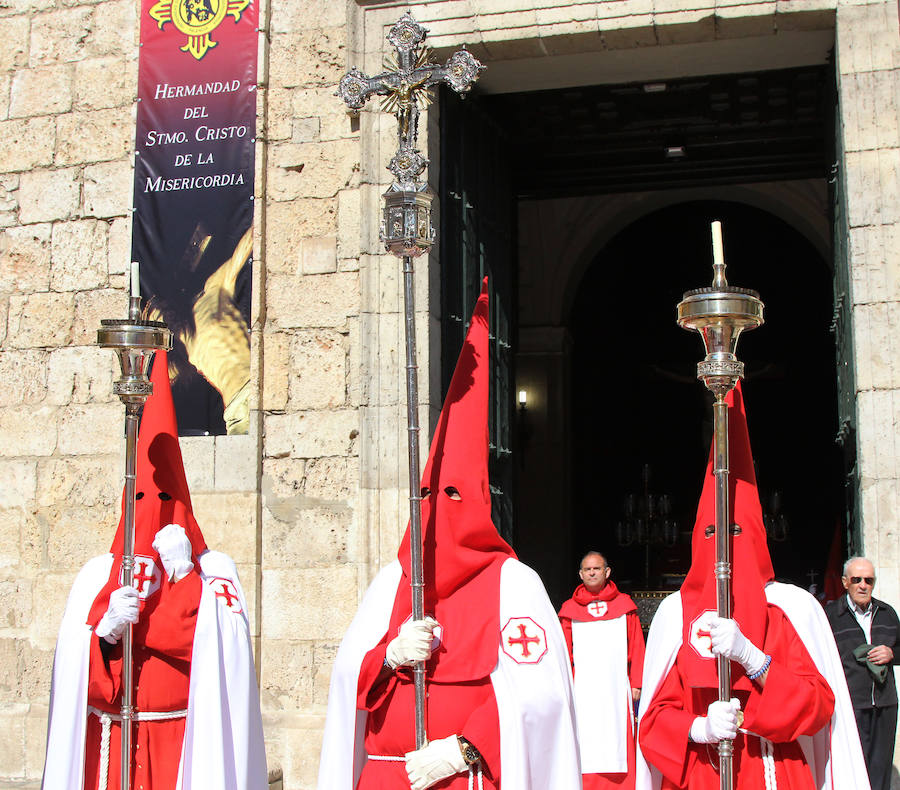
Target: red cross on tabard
702, 633
142, 576
597, 608
226, 594
524, 640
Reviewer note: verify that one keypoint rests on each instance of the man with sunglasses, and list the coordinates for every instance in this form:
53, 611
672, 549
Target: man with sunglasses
867, 633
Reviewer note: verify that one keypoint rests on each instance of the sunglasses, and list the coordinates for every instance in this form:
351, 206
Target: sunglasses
870, 580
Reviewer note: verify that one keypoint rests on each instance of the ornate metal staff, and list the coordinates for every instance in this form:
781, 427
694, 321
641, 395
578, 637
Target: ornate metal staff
407, 232
720, 313
134, 341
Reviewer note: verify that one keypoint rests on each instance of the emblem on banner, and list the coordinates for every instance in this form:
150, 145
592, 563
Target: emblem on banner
701, 638
523, 640
225, 592
197, 19
145, 578
597, 608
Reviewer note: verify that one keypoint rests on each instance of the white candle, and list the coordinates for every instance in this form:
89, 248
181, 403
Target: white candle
718, 254
135, 280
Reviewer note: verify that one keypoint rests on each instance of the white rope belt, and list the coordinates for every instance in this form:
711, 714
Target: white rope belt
106, 720
767, 754
474, 770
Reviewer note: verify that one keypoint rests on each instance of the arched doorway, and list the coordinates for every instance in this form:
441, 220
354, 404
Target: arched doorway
636, 404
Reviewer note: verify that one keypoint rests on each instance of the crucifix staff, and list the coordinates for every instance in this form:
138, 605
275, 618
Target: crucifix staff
407, 232
720, 313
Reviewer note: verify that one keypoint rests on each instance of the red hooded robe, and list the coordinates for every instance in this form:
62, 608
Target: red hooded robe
795, 699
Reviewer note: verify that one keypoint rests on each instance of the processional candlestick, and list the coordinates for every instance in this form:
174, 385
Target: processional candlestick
134, 340
720, 313
407, 232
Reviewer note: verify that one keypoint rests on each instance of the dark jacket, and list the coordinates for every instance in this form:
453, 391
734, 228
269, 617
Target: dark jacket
849, 635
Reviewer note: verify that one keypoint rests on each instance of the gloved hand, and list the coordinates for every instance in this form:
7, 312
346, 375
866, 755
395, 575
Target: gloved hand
124, 607
412, 644
436, 761
174, 550
719, 723
727, 640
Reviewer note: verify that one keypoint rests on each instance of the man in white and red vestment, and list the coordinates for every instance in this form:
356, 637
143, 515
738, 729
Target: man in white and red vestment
499, 707
606, 646
789, 716
197, 704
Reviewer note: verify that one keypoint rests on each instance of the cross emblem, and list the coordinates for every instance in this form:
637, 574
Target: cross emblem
406, 88
224, 589
141, 577
701, 637
597, 608
523, 640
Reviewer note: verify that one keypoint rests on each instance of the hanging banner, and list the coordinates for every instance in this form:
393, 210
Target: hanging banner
193, 199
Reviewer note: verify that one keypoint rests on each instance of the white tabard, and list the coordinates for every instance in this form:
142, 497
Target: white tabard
602, 694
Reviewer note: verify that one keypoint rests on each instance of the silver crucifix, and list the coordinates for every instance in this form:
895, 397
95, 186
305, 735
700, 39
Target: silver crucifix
407, 232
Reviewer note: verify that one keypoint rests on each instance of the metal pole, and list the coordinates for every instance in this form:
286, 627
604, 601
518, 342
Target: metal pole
127, 710
415, 498
723, 571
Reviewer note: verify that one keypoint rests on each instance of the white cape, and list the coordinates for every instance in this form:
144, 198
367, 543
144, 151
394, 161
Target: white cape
223, 745
538, 746
834, 753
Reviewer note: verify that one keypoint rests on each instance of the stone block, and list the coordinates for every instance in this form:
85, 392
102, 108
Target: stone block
78, 261
287, 678
46, 90
316, 301
81, 374
61, 36
15, 603
101, 83
12, 740
291, 221
48, 195
24, 377
90, 428
73, 536
27, 431
281, 115
236, 463
324, 654
91, 307
312, 434
119, 256
319, 365
298, 532
349, 224
115, 29
685, 27
81, 481
306, 603
313, 170
318, 255
108, 189
275, 371
18, 483
27, 143
199, 456
332, 479
750, 19
35, 743
304, 58
14, 42
283, 478
229, 524
864, 195
94, 136
36, 662
305, 130
11, 523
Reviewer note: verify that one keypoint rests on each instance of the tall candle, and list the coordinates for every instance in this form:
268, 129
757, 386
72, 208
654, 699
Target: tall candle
718, 254
135, 280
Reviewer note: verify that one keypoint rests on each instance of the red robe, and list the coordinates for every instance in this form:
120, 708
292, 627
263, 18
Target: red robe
616, 602
163, 642
796, 700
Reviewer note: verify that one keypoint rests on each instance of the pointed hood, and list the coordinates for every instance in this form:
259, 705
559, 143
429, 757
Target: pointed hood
751, 564
462, 549
161, 491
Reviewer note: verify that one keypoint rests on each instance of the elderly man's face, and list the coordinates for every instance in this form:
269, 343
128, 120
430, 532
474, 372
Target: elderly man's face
594, 572
859, 581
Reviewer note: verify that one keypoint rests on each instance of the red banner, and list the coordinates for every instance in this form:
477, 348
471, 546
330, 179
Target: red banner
193, 199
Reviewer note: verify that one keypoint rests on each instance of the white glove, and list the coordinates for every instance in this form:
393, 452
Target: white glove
124, 607
719, 723
412, 644
174, 550
728, 641
436, 761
